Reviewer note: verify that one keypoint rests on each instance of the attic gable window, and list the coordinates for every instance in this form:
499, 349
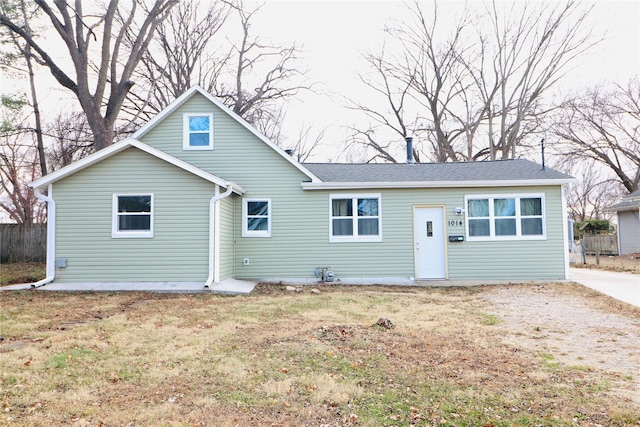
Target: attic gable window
132, 215
198, 131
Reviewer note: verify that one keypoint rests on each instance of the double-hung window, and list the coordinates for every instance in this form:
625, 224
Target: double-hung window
505, 217
132, 215
355, 218
256, 217
198, 131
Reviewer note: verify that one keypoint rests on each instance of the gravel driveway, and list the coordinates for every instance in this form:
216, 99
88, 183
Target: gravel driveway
574, 326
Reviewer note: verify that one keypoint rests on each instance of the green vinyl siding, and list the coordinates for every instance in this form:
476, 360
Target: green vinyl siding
238, 155
227, 227
178, 250
514, 259
300, 240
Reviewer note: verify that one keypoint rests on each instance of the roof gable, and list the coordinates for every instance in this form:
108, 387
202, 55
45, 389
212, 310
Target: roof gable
199, 90
121, 146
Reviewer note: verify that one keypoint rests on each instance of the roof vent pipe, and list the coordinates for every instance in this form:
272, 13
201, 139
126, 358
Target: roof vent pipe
409, 140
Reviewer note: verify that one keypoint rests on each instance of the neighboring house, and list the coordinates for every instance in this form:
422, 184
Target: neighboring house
628, 212
199, 195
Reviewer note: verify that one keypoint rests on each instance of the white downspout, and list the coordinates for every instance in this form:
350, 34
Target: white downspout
565, 230
213, 253
51, 236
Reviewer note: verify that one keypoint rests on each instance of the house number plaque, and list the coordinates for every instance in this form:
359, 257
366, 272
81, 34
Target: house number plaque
455, 223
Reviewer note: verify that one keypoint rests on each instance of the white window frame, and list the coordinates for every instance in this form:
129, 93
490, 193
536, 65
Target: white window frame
355, 237
518, 217
187, 132
245, 218
118, 234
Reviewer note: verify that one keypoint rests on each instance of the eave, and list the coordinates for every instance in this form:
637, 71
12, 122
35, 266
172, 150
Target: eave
433, 184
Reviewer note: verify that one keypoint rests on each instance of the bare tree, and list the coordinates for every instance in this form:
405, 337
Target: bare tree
425, 77
184, 52
253, 78
477, 86
307, 142
264, 73
18, 167
100, 87
394, 92
69, 139
535, 46
24, 13
595, 191
603, 125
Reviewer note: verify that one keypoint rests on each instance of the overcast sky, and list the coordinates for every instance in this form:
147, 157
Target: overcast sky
335, 33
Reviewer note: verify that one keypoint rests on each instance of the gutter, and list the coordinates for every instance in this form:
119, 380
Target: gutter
213, 253
51, 236
340, 185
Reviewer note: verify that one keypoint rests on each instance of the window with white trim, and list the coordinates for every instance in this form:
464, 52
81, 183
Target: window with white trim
198, 131
505, 217
256, 217
355, 217
132, 215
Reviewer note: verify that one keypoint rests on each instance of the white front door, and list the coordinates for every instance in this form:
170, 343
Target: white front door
430, 246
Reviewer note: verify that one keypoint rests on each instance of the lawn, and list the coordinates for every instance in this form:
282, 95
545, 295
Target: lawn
27, 272
448, 357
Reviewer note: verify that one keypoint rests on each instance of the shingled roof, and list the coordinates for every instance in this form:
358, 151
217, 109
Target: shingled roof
518, 171
630, 202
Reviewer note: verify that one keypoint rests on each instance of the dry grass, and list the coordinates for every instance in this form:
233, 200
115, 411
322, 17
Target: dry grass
629, 263
281, 358
21, 273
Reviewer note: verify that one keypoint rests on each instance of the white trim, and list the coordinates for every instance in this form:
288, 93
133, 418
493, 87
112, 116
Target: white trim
186, 132
355, 237
518, 217
445, 246
197, 89
121, 146
622, 209
119, 234
214, 234
618, 232
255, 233
432, 184
565, 230
51, 236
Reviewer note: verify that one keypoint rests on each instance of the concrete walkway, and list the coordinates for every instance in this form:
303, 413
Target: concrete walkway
228, 287
622, 286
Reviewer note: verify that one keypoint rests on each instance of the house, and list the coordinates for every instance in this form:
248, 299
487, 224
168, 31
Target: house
198, 195
628, 212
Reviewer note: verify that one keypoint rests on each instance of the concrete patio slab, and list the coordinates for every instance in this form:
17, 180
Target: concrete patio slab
227, 287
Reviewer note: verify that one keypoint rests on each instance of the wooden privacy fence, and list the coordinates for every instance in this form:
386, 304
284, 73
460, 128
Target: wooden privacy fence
606, 244
23, 243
